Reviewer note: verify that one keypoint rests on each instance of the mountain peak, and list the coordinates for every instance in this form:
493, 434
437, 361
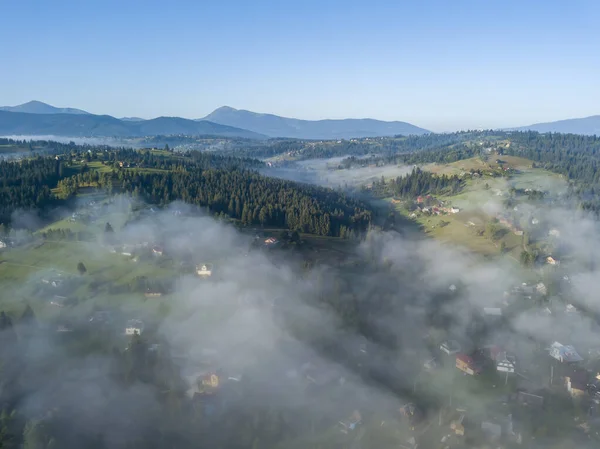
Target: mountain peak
34, 103
276, 126
585, 125
224, 109
39, 107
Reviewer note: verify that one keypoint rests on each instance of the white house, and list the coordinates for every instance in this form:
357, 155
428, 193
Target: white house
541, 288
134, 327
204, 270
492, 311
2, 244
505, 363
505, 366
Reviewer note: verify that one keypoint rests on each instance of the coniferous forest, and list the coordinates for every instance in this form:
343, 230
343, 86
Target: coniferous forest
224, 184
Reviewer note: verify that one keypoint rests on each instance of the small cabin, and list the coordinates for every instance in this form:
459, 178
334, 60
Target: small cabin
204, 270
134, 327
467, 365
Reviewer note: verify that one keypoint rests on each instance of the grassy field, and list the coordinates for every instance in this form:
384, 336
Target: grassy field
476, 163
99, 167
480, 200
23, 268
9, 149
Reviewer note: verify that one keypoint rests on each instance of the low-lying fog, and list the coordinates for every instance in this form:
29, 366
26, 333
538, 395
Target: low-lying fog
326, 172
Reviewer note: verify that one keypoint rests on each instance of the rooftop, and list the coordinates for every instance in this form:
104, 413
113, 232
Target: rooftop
564, 353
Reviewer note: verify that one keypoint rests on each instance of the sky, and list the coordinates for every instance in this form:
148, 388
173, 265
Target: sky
442, 65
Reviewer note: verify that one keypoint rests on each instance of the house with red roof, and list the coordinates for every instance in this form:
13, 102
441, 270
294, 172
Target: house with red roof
467, 364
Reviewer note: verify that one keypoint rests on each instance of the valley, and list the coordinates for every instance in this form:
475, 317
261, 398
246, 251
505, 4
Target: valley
362, 294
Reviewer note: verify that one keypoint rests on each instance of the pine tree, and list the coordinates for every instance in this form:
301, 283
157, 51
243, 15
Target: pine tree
81, 268
28, 316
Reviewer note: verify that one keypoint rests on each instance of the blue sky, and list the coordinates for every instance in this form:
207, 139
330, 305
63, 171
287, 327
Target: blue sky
443, 65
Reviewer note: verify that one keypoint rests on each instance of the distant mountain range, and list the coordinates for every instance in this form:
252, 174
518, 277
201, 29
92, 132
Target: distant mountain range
587, 126
276, 126
37, 118
37, 107
89, 125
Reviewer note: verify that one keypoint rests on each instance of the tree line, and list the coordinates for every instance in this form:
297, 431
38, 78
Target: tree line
26, 184
418, 182
250, 198
224, 184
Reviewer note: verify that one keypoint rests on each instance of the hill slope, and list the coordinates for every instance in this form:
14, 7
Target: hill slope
276, 126
585, 126
37, 107
86, 125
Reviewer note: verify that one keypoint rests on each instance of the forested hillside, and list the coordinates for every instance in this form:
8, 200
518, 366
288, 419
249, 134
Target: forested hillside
226, 185
27, 184
242, 195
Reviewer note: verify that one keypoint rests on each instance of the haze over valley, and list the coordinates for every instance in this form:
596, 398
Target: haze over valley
300, 225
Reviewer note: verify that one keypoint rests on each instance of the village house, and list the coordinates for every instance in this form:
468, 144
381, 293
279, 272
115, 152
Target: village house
204, 270
541, 289
492, 312
457, 425
570, 309
467, 364
351, 423
552, 261
450, 347
152, 294
210, 382
412, 414
564, 353
63, 328
576, 383
127, 250
134, 327
505, 362
58, 301
430, 365
554, 233
2, 244
505, 365
271, 241
157, 250
202, 382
